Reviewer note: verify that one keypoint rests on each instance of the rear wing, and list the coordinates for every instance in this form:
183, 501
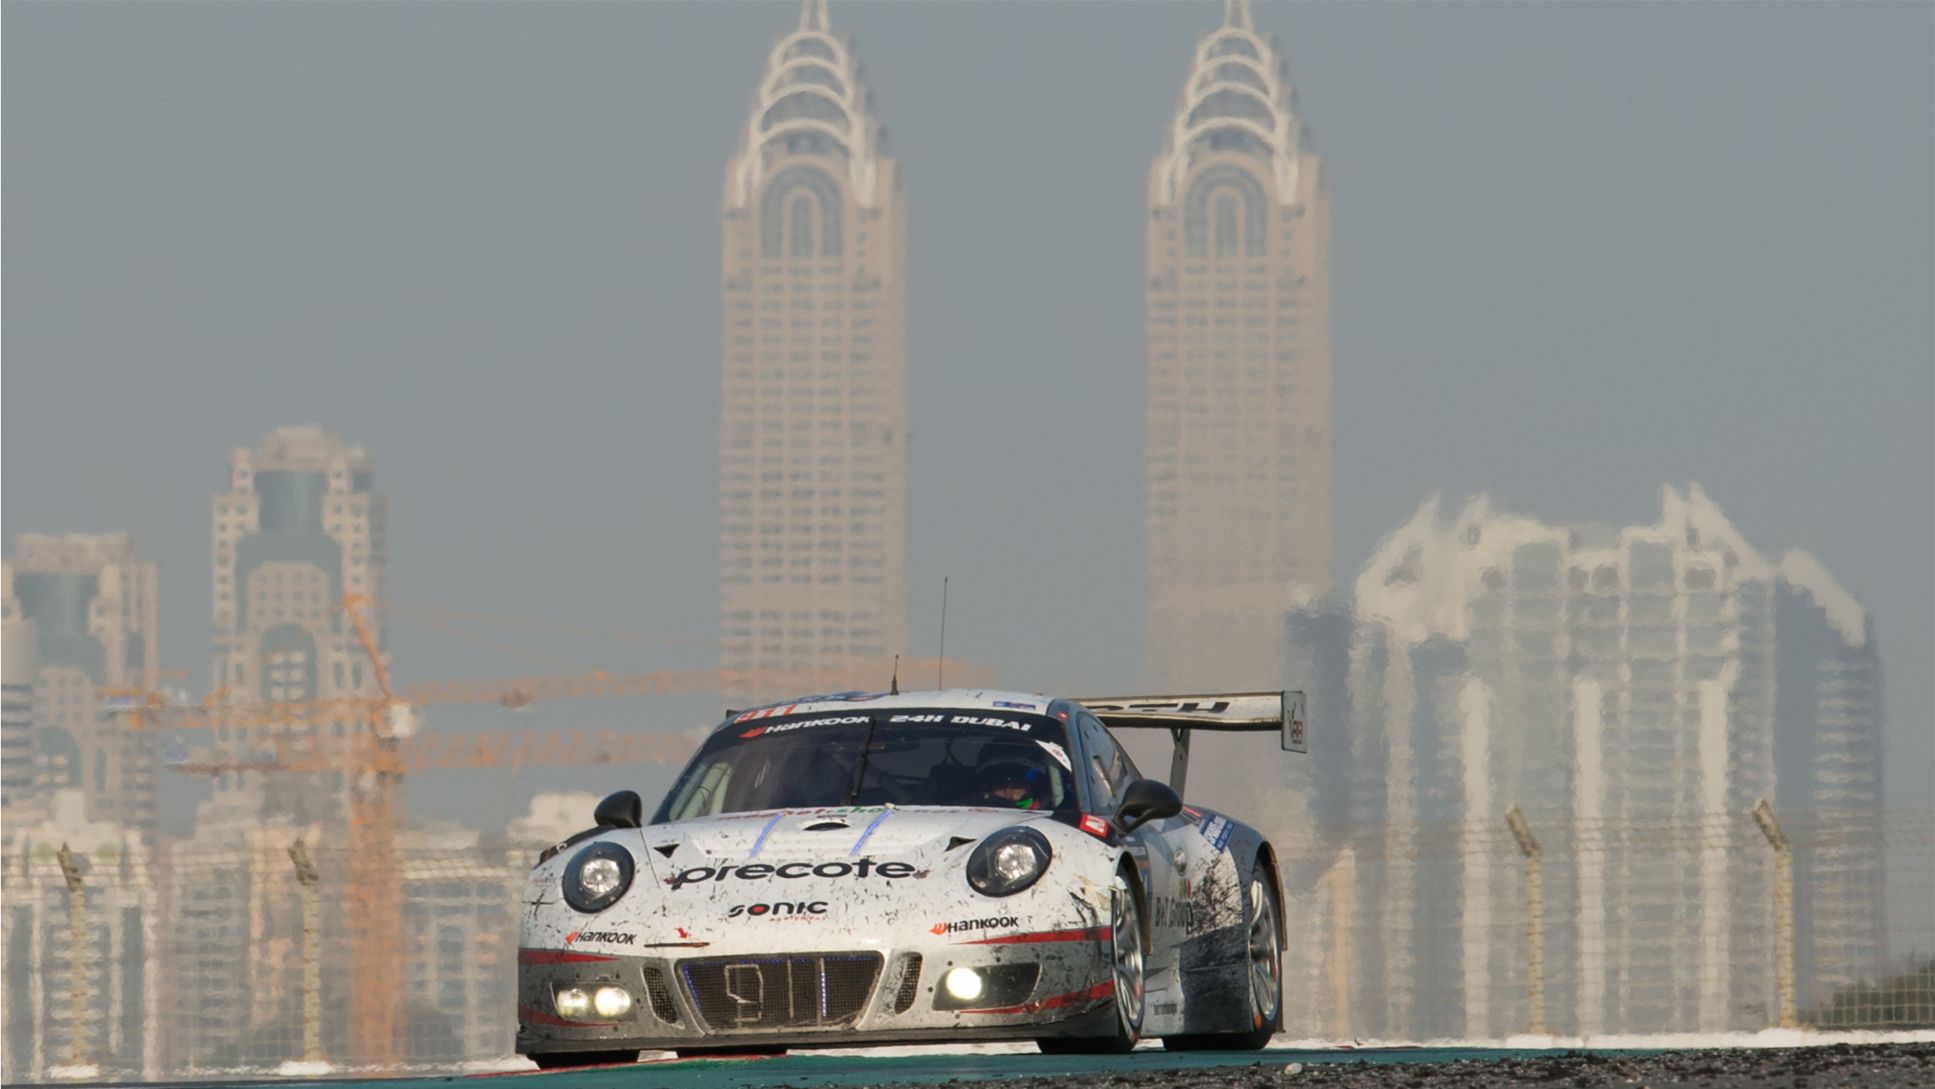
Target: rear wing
1279, 713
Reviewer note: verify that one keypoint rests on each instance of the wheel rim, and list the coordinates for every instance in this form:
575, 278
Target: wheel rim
1266, 990
1126, 935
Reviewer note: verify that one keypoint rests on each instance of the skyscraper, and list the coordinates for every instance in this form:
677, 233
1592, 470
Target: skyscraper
1828, 755
1633, 691
92, 601
300, 526
1237, 478
812, 459
1596, 677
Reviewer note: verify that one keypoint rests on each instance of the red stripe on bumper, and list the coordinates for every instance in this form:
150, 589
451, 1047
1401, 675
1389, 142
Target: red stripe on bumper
1104, 989
558, 956
1092, 934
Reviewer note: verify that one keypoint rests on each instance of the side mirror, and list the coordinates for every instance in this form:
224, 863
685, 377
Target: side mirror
1146, 800
620, 810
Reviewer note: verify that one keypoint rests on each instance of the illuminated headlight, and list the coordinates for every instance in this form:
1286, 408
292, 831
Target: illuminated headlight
573, 1003
1008, 861
612, 1002
963, 984
597, 877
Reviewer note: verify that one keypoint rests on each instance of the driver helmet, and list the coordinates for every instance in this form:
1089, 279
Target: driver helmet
1014, 783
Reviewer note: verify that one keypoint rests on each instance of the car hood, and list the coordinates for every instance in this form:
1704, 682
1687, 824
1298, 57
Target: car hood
875, 831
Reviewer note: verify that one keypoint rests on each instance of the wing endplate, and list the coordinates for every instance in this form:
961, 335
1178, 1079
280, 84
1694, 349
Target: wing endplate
1281, 713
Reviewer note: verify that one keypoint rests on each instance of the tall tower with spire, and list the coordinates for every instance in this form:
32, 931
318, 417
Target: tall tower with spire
1237, 472
812, 443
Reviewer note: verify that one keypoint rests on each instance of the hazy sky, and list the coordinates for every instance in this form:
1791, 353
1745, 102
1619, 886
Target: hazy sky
1580, 250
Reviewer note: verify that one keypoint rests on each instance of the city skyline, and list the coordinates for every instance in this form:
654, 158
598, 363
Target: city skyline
478, 244
1090, 592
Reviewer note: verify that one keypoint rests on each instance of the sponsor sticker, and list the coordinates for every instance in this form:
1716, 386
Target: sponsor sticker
804, 724
965, 926
938, 718
603, 937
861, 869
778, 909
1217, 831
1095, 826
989, 720
1014, 706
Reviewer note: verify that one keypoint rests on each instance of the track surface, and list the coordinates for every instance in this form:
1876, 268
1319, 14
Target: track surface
1883, 1066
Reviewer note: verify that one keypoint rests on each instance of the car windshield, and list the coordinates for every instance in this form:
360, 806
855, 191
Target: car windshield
941, 756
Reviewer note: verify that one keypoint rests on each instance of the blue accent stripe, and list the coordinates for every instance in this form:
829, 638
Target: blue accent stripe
862, 841
763, 833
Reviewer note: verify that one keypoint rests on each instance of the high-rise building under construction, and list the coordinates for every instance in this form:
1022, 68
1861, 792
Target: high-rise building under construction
1237, 473
812, 459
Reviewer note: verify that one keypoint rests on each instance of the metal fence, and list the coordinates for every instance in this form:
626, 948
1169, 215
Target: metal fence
126, 961
1717, 922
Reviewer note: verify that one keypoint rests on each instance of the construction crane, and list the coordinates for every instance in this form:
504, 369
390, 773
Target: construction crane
377, 745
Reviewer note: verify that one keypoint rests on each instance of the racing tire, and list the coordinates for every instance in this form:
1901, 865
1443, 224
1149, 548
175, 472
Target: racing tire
566, 1060
1125, 962
1263, 962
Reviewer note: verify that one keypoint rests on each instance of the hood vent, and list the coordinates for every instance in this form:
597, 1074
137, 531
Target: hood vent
828, 826
666, 849
958, 841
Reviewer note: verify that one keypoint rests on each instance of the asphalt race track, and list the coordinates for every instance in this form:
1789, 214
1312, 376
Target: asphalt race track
1883, 1066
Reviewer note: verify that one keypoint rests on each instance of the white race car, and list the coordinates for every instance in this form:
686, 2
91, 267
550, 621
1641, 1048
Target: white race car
935, 866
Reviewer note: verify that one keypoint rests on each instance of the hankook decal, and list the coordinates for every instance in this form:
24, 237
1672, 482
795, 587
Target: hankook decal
962, 926
605, 937
804, 724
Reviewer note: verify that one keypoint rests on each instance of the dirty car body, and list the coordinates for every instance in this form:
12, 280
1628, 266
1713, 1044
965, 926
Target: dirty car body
873, 867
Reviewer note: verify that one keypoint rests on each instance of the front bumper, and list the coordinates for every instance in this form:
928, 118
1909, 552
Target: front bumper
695, 997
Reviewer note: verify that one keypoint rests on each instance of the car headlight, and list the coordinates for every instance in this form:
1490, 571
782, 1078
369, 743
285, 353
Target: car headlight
1008, 861
597, 877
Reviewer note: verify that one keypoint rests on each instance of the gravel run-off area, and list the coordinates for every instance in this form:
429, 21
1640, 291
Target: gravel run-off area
1867, 1066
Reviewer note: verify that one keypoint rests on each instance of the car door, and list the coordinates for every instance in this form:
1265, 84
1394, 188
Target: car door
1109, 771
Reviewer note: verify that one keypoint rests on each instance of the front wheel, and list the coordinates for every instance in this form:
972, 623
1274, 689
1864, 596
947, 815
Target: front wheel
566, 1060
1125, 957
1263, 972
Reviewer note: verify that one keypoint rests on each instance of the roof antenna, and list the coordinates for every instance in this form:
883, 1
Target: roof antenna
895, 689
940, 663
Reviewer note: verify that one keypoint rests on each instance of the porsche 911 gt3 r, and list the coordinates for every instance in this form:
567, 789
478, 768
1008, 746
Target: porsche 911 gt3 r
937, 866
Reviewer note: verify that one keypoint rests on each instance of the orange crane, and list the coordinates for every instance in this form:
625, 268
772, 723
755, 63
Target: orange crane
380, 746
